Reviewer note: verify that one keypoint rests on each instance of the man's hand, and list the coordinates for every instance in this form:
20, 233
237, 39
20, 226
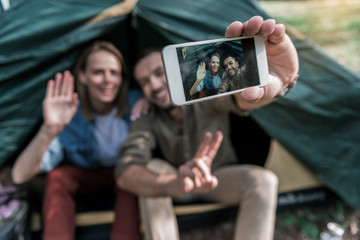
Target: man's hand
141, 107
195, 175
281, 55
60, 103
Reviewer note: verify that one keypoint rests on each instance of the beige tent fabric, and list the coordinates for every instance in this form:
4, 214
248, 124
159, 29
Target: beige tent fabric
293, 175
122, 8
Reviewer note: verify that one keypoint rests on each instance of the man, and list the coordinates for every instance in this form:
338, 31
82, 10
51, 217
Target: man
234, 78
194, 162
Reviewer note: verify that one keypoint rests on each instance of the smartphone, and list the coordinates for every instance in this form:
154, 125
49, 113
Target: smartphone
204, 70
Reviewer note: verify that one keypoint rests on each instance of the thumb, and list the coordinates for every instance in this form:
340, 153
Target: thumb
188, 185
253, 94
215, 182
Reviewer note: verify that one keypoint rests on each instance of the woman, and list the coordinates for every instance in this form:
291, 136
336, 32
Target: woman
86, 138
208, 79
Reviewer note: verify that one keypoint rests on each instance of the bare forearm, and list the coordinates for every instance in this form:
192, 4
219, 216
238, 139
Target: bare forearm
195, 86
140, 181
27, 165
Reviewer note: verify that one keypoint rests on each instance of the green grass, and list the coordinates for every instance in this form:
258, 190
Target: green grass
332, 24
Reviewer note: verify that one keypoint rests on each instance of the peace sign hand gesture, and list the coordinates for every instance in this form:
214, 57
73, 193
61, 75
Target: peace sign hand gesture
195, 175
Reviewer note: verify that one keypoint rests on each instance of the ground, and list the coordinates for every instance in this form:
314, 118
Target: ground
304, 223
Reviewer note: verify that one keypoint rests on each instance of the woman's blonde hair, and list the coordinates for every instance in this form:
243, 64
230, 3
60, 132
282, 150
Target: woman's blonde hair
121, 99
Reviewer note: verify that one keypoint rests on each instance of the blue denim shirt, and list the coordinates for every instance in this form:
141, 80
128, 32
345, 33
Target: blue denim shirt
210, 83
76, 143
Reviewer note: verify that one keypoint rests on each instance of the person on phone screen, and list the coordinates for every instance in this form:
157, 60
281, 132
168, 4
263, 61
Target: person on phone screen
197, 157
208, 80
234, 78
79, 141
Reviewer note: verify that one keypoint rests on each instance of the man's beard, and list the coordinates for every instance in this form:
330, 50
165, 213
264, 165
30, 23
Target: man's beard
236, 75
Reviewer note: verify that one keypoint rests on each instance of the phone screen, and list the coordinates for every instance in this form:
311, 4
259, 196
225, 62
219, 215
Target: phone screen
198, 71
222, 67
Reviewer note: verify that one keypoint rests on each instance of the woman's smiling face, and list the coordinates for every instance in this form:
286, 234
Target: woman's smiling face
102, 76
214, 64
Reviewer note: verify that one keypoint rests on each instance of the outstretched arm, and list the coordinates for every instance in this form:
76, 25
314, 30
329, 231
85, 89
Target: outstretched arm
282, 60
59, 107
200, 74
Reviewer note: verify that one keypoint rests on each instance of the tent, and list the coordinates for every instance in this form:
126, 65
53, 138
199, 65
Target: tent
318, 122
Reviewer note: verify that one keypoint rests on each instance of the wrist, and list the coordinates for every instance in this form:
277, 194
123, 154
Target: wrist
288, 87
169, 185
50, 131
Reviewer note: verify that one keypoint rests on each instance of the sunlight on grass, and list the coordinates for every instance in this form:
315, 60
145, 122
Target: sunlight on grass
332, 24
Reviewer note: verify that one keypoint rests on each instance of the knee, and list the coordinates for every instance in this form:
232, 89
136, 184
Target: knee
265, 179
55, 175
263, 189
270, 179
58, 179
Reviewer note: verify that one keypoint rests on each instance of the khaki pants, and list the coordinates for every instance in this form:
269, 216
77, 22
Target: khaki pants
252, 187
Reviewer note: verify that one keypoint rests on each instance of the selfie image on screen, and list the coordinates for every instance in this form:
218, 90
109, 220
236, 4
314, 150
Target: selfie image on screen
215, 68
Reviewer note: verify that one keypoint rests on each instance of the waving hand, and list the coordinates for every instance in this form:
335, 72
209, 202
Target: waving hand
60, 103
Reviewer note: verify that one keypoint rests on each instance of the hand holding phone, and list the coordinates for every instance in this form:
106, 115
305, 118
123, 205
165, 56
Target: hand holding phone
281, 56
281, 61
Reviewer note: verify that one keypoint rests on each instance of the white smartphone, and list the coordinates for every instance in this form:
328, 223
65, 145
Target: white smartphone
198, 71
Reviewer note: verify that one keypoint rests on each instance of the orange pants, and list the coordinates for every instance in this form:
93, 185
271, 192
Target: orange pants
59, 207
